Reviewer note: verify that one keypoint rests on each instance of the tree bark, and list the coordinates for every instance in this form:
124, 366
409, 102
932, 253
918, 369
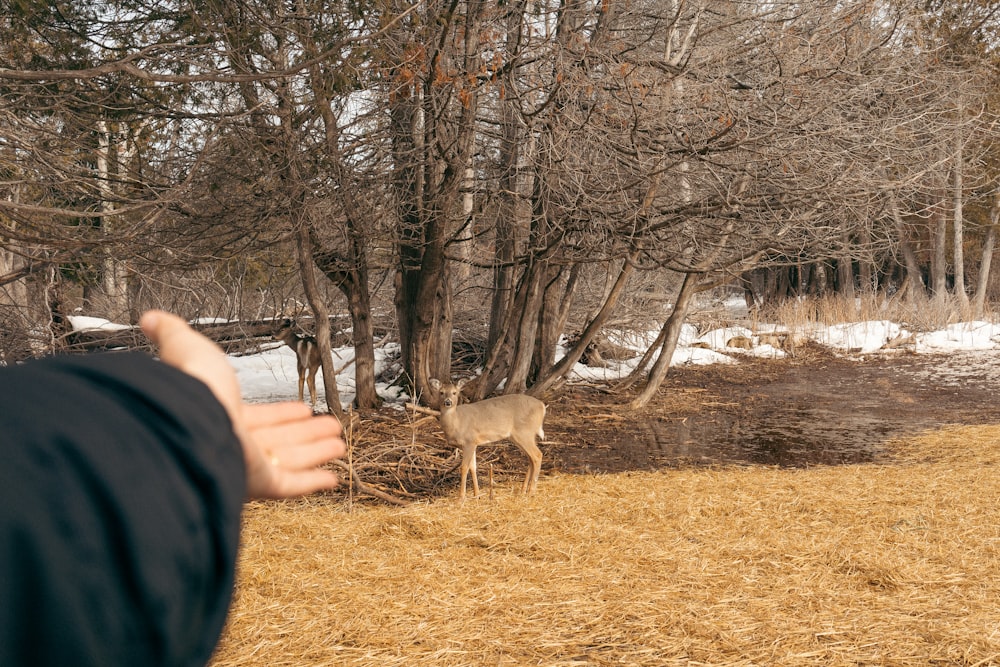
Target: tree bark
354, 285
303, 246
958, 230
670, 335
527, 325
845, 275
939, 257
556, 304
111, 272
352, 278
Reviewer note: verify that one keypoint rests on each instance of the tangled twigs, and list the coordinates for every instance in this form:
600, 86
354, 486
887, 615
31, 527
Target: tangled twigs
395, 460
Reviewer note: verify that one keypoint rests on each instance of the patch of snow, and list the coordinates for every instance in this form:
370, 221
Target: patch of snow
717, 338
271, 374
859, 337
84, 323
960, 336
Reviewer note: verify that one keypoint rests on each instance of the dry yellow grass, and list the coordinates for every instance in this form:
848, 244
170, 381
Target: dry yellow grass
889, 564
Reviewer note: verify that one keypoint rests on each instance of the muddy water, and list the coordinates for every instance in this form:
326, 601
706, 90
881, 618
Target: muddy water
826, 411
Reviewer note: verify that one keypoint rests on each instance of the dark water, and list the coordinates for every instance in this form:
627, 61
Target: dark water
832, 412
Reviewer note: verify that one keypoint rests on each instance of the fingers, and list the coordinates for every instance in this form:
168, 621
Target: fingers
305, 455
275, 477
303, 483
290, 445
274, 424
290, 430
261, 415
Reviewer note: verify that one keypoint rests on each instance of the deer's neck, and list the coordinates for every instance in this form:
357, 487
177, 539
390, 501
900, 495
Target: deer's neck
449, 416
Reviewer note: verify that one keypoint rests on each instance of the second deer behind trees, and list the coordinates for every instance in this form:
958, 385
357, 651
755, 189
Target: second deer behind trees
516, 417
306, 354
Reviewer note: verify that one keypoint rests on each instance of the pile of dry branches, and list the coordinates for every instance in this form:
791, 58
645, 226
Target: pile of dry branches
400, 459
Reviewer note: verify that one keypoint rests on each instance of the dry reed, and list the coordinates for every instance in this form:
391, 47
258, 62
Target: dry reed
885, 564
917, 313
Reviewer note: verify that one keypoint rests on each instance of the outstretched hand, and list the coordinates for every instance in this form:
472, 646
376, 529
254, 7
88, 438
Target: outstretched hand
283, 444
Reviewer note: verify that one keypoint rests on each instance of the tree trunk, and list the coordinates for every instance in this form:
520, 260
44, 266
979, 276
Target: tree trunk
13, 269
364, 350
303, 247
354, 286
507, 217
866, 273
425, 302
433, 131
498, 355
463, 244
804, 272
352, 278
913, 277
552, 321
670, 334
508, 211
749, 294
527, 324
982, 284
59, 324
845, 275
958, 229
111, 272
444, 326
820, 284
939, 257
559, 371
407, 176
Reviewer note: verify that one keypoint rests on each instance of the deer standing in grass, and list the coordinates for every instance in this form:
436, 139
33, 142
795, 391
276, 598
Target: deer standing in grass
306, 353
516, 417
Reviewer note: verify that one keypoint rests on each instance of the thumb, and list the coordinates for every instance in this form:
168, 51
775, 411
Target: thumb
187, 350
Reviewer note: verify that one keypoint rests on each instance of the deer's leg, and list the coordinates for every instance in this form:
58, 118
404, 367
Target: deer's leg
536, 464
469, 465
530, 449
302, 381
312, 385
465, 475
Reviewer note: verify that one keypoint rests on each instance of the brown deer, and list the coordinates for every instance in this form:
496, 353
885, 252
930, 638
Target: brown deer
516, 417
306, 353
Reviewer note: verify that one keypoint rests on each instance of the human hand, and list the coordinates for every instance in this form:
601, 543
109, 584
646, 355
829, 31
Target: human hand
291, 444
283, 444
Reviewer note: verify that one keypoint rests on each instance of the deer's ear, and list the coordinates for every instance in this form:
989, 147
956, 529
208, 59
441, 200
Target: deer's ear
461, 383
435, 383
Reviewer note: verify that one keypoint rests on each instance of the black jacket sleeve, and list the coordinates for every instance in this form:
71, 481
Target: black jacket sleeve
121, 485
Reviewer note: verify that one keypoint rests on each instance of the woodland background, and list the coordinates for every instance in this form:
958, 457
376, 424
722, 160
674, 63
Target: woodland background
514, 171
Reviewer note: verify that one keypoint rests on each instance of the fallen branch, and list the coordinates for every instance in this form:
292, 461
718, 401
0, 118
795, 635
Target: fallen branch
361, 487
422, 410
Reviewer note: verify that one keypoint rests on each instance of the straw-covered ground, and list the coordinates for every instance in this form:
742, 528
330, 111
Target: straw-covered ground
888, 563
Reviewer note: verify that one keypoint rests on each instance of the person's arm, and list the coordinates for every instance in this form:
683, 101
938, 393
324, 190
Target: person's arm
121, 484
